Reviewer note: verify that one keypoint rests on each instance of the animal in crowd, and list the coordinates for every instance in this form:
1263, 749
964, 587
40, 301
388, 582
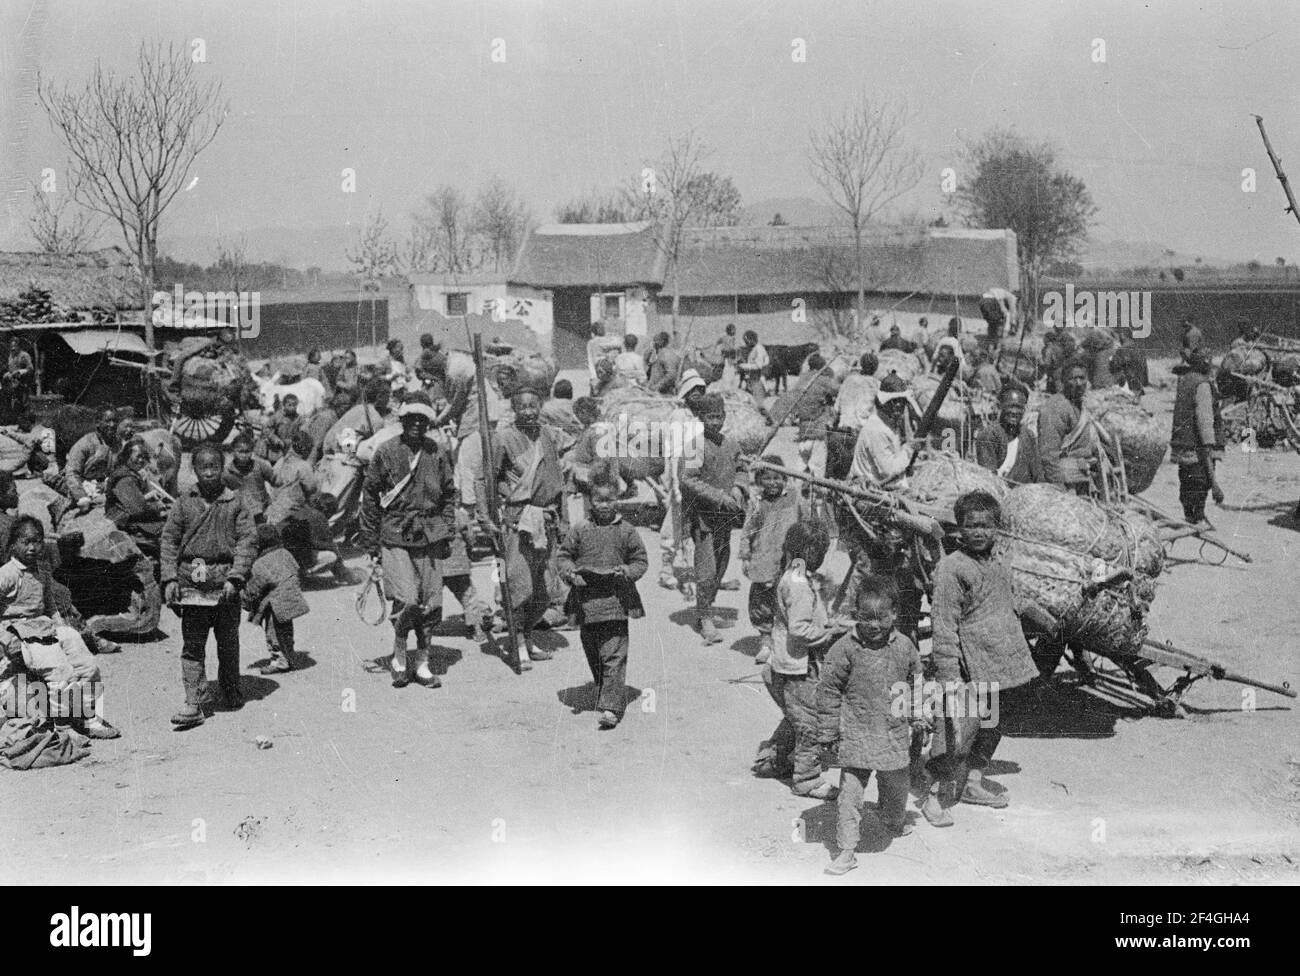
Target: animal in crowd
310, 392
784, 361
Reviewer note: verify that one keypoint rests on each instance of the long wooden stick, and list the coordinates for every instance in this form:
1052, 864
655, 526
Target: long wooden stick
519, 658
1277, 168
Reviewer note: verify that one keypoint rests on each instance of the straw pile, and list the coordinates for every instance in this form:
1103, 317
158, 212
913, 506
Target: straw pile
746, 423
1251, 362
941, 479
1057, 543
1143, 438
531, 369
905, 364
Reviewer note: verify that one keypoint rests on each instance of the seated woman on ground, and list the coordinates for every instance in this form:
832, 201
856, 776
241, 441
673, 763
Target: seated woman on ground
132, 503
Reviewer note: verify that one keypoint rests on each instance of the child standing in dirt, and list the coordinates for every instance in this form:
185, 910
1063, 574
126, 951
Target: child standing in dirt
801, 634
978, 639
713, 502
761, 540
273, 597
855, 710
208, 544
601, 560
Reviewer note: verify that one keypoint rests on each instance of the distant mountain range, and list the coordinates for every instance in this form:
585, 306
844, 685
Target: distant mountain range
326, 246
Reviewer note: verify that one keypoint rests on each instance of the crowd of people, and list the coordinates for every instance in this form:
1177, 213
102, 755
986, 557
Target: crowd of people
259, 515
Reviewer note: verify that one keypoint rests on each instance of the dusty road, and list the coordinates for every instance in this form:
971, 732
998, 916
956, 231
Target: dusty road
494, 777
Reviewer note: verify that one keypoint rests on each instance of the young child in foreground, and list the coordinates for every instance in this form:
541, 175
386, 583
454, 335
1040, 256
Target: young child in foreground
208, 544
977, 638
601, 560
273, 598
801, 635
855, 710
761, 540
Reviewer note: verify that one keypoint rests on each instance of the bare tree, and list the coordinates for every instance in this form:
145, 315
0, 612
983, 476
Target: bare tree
132, 141
678, 193
446, 217
375, 254
501, 219
62, 229
419, 250
596, 207
862, 163
232, 261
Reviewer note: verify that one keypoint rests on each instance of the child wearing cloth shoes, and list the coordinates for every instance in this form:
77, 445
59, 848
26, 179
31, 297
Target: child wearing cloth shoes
273, 598
855, 708
601, 560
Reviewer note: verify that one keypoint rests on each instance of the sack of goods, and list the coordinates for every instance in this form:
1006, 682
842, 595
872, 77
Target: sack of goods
939, 480
958, 411
1251, 362
905, 364
1019, 357
745, 423
1143, 438
530, 369
1092, 567
209, 383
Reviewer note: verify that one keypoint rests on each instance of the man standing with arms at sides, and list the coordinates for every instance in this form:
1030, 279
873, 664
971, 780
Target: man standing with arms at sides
408, 512
530, 484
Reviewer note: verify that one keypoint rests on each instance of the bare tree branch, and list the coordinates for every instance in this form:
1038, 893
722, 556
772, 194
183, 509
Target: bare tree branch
862, 162
58, 230
132, 142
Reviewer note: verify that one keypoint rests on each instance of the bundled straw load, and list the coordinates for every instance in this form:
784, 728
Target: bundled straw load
905, 364
1143, 438
531, 370
746, 423
1065, 553
939, 480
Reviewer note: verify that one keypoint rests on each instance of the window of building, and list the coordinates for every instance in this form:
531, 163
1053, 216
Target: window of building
747, 305
612, 306
457, 303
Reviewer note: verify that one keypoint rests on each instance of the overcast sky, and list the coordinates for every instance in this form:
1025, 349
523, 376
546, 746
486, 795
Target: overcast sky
408, 95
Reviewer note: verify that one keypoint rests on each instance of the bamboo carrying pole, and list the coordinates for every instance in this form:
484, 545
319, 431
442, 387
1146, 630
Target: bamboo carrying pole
1277, 168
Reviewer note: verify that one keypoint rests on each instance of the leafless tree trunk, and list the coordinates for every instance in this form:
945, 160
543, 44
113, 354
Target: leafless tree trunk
132, 142
862, 162
232, 261
679, 193
500, 219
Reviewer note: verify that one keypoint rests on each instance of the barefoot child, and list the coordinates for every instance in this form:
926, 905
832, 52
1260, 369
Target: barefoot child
977, 638
208, 544
713, 501
273, 597
602, 559
761, 540
801, 636
862, 674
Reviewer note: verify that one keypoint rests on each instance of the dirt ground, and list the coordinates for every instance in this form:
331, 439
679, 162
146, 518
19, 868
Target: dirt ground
494, 777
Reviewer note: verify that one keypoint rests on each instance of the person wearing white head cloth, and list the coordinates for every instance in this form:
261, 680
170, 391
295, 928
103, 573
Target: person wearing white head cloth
881, 455
408, 515
682, 424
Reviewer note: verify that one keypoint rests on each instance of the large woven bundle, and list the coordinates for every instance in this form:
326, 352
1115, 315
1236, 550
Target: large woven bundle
531, 370
905, 364
1020, 359
954, 410
102, 539
1251, 362
746, 423
939, 480
857, 400
210, 383
1057, 543
1143, 438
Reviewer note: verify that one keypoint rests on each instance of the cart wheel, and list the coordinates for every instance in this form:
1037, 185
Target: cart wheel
195, 430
